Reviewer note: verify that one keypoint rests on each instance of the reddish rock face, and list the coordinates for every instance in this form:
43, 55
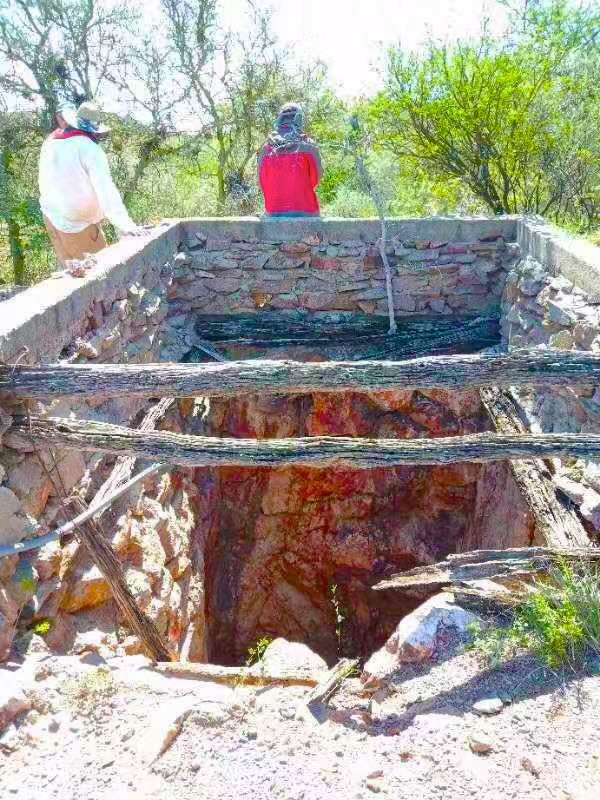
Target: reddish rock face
281, 539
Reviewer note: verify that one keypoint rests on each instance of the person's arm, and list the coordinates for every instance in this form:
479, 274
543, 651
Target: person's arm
316, 164
96, 164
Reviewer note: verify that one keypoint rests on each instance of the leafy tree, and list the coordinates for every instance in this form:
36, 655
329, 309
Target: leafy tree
491, 112
145, 82
223, 78
50, 51
504, 124
234, 85
49, 48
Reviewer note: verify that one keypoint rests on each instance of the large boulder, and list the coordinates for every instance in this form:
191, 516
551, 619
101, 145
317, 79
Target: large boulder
282, 656
85, 590
31, 484
590, 507
415, 638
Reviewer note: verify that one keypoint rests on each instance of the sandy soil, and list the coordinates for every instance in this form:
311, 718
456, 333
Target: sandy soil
98, 731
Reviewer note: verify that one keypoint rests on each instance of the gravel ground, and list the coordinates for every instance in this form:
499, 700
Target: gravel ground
97, 732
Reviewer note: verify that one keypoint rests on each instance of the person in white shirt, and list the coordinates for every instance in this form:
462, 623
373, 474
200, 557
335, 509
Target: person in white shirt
76, 188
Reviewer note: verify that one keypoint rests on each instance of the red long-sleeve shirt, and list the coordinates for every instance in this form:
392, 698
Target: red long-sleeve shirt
288, 179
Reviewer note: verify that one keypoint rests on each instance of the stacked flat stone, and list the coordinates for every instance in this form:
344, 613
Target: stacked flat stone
543, 310
316, 273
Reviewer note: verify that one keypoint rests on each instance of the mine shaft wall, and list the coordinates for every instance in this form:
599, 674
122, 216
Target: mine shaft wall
281, 538
138, 304
116, 313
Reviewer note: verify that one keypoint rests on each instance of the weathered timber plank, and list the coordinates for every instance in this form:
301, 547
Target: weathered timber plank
557, 524
353, 336
460, 568
318, 451
121, 471
246, 676
273, 328
331, 680
542, 368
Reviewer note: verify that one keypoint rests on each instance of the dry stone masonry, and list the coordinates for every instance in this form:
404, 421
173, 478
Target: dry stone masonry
338, 269
552, 300
138, 302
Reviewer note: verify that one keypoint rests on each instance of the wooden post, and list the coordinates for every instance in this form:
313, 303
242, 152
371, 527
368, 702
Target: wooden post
557, 524
91, 535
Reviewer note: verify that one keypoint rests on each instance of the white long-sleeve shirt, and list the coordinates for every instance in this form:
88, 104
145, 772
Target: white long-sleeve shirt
76, 187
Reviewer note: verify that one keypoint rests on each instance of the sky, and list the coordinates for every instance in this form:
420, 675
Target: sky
351, 36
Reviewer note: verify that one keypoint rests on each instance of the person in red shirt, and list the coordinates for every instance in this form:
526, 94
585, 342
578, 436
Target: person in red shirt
289, 167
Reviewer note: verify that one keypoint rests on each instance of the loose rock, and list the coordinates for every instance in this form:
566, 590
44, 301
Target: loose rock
479, 744
488, 707
415, 638
530, 766
284, 656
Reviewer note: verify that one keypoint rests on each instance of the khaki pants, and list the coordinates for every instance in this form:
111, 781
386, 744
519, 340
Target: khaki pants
69, 246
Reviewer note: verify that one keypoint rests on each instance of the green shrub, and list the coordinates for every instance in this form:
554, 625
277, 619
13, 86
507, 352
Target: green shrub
350, 203
559, 622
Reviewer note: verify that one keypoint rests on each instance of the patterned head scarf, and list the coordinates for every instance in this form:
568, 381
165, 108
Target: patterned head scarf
289, 127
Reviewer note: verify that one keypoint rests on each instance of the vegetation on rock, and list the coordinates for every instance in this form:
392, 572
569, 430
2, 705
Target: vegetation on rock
559, 621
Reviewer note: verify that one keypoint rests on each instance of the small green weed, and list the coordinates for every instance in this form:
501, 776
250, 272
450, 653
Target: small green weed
257, 650
254, 655
42, 627
559, 622
27, 584
339, 613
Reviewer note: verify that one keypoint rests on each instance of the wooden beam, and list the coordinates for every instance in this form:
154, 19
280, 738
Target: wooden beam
342, 336
541, 368
331, 680
103, 556
318, 451
461, 568
557, 524
121, 471
238, 676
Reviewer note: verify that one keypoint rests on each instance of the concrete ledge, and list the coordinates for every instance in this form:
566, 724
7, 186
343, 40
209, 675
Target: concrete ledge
561, 253
43, 317
450, 229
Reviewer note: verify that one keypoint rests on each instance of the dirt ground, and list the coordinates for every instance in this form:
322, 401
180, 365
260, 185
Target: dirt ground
117, 729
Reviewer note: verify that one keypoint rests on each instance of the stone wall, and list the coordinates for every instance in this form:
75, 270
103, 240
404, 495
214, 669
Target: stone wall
115, 313
445, 267
552, 300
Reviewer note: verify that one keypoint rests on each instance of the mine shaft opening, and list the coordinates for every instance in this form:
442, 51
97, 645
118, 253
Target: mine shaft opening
295, 551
